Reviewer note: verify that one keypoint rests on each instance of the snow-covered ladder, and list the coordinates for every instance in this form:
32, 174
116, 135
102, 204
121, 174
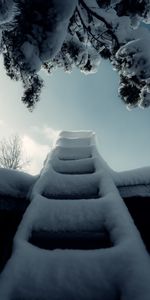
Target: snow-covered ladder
77, 240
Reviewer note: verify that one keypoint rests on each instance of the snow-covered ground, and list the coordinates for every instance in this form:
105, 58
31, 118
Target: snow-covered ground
15, 183
133, 183
77, 201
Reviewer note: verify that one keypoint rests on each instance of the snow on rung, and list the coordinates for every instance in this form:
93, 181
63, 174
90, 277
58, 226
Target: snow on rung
75, 142
77, 134
78, 189
59, 274
65, 153
56, 216
84, 166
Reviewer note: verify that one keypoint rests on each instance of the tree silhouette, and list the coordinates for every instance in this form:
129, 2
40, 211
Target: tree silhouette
65, 34
11, 153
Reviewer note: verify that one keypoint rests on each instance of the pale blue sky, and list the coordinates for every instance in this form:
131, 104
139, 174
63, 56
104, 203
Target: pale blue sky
75, 101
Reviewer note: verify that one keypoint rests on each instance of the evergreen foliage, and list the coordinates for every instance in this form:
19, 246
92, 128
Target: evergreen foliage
65, 34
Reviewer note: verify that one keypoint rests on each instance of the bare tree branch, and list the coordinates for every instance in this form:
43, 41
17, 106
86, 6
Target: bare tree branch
11, 153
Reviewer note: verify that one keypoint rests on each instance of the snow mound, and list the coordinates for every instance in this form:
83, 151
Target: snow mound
15, 183
132, 177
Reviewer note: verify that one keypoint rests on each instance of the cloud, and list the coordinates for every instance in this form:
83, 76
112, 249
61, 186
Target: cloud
2, 123
35, 152
35, 146
49, 133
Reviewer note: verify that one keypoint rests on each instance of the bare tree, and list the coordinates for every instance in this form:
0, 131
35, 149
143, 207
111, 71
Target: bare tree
11, 153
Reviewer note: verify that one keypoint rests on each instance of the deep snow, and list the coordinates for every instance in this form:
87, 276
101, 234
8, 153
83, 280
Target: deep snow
121, 271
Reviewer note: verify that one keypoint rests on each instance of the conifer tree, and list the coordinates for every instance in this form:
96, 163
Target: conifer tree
65, 34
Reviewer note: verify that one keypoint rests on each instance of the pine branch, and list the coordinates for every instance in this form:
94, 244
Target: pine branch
102, 19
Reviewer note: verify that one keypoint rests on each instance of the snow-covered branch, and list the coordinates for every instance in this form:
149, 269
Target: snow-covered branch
67, 34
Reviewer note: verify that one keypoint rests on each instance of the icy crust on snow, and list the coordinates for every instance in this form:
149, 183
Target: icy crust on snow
15, 183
